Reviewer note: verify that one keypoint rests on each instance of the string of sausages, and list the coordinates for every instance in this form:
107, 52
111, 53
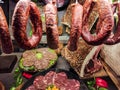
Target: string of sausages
79, 27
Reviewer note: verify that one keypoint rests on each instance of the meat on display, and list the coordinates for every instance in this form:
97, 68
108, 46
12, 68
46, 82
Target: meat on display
51, 25
115, 38
58, 79
76, 26
105, 23
6, 42
23, 9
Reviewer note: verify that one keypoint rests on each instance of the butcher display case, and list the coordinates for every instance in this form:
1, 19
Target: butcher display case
59, 45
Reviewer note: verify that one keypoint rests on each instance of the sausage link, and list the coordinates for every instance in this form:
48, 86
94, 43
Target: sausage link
6, 42
114, 39
104, 26
51, 25
23, 10
76, 26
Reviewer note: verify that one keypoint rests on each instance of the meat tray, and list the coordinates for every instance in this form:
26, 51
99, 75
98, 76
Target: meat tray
69, 74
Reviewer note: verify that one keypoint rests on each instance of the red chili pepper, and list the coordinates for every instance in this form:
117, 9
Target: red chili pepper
27, 75
101, 83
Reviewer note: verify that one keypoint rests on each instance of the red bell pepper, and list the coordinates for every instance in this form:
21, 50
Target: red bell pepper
27, 75
101, 83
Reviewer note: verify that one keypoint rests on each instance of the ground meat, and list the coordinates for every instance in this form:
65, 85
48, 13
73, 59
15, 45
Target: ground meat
28, 63
47, 54
29, 53
41, 64
30, 58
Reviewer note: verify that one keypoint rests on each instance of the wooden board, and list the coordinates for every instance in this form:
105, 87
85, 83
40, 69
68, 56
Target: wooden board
111, 55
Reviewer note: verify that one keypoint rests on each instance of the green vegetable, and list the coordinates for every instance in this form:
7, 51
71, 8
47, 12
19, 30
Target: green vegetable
91, 88
91, 85
18, 79
12, 88
102, 88
38, 55
51, 62
30, 68
97, 84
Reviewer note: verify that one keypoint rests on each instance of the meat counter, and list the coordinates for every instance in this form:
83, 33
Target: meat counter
64, 32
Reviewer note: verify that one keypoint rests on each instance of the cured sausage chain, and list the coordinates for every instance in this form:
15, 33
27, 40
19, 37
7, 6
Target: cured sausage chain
116, 37
51, 25
76, 26
6, 42
23, 9
79, 26
105, 23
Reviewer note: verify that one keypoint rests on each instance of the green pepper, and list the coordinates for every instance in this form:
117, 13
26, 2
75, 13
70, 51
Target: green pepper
51, 62
18, 78
30, 68
101, 88
38, 55
12, 88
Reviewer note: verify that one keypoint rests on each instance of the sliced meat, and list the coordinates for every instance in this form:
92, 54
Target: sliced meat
59, 79
72, 84
48, 79
32, 87
38, 83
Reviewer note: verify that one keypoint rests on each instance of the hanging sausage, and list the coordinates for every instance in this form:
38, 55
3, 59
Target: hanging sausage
23, 9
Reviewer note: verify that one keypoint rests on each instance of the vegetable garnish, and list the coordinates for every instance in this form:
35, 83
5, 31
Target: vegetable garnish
39, 55
52, 87
26, 75
18, 78
97, 84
